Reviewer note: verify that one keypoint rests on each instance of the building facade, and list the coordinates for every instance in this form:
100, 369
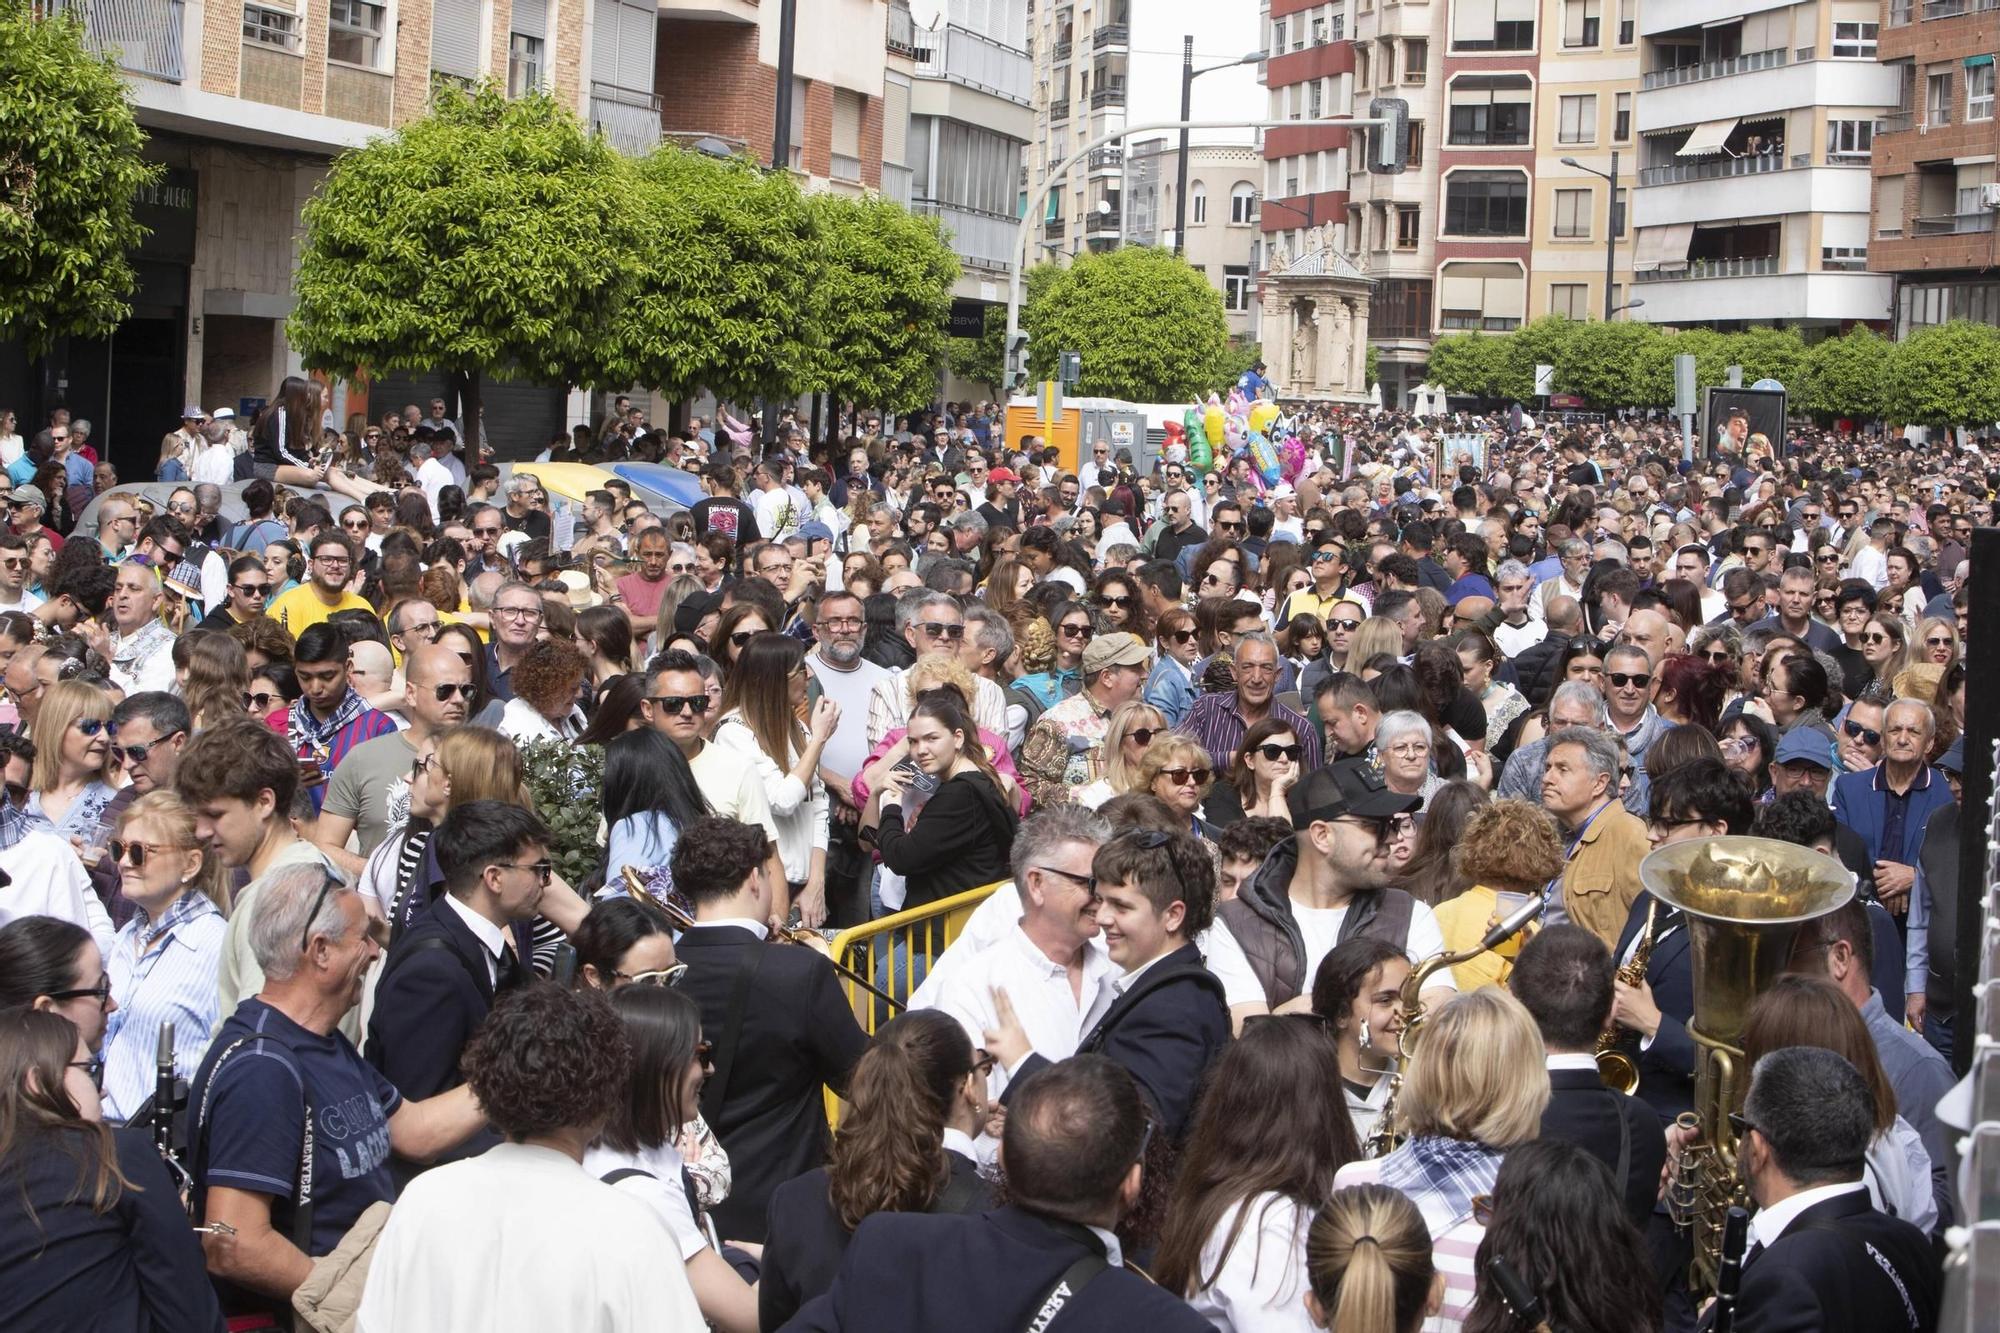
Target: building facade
1585, 93
1223, 236
1933, 162
1079, 50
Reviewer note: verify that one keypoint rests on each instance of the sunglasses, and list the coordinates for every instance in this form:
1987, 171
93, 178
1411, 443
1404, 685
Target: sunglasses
326, 886
1183, 777
1276, 752
1939, 643
1144, 735
449, 691
1229, 527
90, 726
263, 700
659, 976
1866, 735
674, 704
938, 629
1180, 635
1076, 631
1114, 601
254, 589
1876, 636
1635, 679
137, 851
136, 754
544, 870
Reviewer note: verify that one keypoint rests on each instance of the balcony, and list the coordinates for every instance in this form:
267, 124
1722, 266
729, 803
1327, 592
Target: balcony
896, 183
844, 167
1109, 158
1060, 51
1713, 69
1111, 95
959, 55
1948, 9
1678, 173
628, 119
1111, 34
1053, 229
1756, 266
144, 36
1896, 122
1101, 222
979, 238
901, 37
1955, 224
1059, 111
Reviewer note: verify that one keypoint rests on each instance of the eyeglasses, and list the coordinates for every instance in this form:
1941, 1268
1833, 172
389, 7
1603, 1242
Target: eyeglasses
838, 623
1185, 777
101, 992
1276, 752
260, 699
1089, 882
529, 614
1740, 1126
544, 870
674, 704
939, 629
450, 690
1866, 735
704, 1051
182, 508
1743, 607
659, 976
327, 885
137, 851
1629, 679
332, 561
257, 590
136, 754
90, 726
422, 764
1076, 631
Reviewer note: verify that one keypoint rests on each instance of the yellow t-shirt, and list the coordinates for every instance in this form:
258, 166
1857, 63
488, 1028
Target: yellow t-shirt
302, 607
1464, 921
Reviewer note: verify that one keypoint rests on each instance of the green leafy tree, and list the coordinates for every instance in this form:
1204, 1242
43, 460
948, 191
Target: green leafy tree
70, 169
1374, 364
880, 295
1844, 377
1764, 353
490, 236
1542, 342
1601, 362
723, 267
1148, 326
983, 360
1947, 375
1478, 365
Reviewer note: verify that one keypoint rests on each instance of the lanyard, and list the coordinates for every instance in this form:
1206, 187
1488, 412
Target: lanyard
1569, 853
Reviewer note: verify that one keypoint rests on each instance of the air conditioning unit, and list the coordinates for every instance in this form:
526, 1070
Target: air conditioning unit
1989, 196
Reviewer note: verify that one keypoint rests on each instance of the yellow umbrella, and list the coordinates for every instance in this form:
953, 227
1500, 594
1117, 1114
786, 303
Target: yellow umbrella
571, 481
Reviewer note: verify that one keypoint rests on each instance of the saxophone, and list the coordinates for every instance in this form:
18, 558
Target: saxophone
1618, 1070
1387, 1135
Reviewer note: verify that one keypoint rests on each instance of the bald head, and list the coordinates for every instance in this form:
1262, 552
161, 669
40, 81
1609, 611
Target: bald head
435, 668
1565, 614
1470, 609
370, 668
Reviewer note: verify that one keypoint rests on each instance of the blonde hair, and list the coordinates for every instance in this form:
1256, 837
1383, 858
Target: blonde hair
218, 675
1168, 750
940, 669
1124, 718
1479, 1072
1368, 1258
482, 765
65, 702
175, 818
1377, 635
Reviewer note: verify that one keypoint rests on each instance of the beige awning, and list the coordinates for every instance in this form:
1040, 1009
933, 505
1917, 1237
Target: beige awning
1707, 138
1662, 247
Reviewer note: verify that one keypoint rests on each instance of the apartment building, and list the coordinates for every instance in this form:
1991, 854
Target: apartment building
1585, 92
1756, 121
1223, 226
1080, 52
971, 116
1933, 162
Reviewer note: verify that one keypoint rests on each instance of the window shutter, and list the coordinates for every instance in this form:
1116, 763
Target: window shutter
635, 46
455, 38
895, 119
1472, 21
531, 18
846, 122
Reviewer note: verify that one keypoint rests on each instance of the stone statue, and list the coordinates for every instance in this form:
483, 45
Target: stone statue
1304, 354
1279, 259
1339, 348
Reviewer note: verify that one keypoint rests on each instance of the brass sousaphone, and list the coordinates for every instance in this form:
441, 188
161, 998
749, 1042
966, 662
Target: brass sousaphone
1743, 900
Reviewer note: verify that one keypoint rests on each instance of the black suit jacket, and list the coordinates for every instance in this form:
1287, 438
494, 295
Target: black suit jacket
1166, 1031
1604, 1123
805, 1243
983, 1273
798, 1033
1666, 1068
1816, 1280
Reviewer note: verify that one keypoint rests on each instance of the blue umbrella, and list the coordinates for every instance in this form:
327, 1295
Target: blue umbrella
678, 489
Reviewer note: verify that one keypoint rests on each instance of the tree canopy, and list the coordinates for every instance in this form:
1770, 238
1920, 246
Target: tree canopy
1149, 328
1946, 375
70, 170
881, 293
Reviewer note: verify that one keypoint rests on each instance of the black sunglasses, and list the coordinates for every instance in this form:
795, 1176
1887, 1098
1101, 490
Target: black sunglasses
136, 754
1621, 679
1274, 752
1143, 735
1180, 635
263, 699
673, 704
544, 870
327, 885
448, 691
1866, 735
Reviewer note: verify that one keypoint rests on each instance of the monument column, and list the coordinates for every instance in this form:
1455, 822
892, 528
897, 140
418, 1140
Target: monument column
1325, 365
1357, 379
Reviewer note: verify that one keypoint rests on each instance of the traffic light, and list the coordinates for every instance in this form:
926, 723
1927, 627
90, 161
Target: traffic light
1389, 144
1017, 360
1069, 368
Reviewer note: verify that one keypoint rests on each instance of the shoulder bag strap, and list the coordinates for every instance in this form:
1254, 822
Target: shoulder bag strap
302, 1210
625, 1173
1070, 1285
1624, 1140
717, 1091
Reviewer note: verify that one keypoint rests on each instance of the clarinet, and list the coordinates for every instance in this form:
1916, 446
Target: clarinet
1729, 1275
163, 1096
1520, 1300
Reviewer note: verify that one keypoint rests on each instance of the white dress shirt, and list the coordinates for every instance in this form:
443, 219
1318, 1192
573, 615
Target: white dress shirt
1055, 1014
491, 938
1769, 1223
1320, 928
1261, 1286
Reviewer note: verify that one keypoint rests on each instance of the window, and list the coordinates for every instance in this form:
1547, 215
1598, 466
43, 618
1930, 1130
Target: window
1291, 187
1572, 221
1416, 143
353, 31
1577, 121
1316, 99
1979, 91
1488, 110
1197, 204
1416, 59
1319, 31
1854, 41
1937, 99
1621, 129
524, 64
1486, 203
271, 26
1243, 203
1277, 35
1849, 138
1571, 300
1889, 206
1580, 23
1338, 30
1235, 287
1844, 258
1361, 66
1626, 26
1401, 308
1619, 213
1409, 226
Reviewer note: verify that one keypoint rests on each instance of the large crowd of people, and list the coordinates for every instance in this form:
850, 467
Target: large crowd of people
442, 855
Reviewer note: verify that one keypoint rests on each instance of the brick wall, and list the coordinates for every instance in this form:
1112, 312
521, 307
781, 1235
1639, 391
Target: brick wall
566, 23
871, 143
710, 82
312, 87
496, 51
816, 146
413, 61
221, 36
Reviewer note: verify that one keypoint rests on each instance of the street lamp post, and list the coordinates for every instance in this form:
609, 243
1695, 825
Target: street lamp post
1188, 75
1610, 224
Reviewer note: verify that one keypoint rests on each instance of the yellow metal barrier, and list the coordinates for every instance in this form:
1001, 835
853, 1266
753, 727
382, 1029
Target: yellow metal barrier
891, 950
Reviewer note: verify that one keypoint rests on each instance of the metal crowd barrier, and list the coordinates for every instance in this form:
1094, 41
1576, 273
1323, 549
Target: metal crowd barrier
896, 952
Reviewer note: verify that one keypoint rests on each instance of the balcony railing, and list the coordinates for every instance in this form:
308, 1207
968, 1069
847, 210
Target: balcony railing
896, 182
1758, 266
1059, 110
1060, 51
1053, 229
902, 34
1950, 9
1746, 63
628, 119
1113, 95
1108, 158
960, 55
143, 35
1111, 34
1675, 173
1954, 224
981, 239
1099, 222
843, 167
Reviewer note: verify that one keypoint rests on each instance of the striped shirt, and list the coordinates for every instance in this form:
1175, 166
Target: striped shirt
161, 972
1215, 722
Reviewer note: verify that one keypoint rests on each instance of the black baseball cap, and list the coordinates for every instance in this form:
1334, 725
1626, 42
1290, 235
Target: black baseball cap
1347, 788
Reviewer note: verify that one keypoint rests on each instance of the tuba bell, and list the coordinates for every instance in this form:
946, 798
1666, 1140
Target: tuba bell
1743, 900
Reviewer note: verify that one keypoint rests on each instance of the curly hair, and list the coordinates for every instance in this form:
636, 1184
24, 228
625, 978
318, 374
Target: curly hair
548, 1059
547, 675
440, 586
1169, 750
888, 1154
1509, 845
261, 634
935, 671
